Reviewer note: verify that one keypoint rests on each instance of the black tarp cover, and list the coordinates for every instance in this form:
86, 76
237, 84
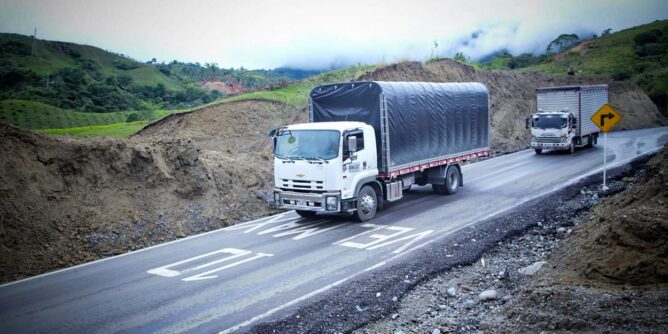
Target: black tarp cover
426, 120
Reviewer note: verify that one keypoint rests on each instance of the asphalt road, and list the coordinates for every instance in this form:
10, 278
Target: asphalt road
230, 279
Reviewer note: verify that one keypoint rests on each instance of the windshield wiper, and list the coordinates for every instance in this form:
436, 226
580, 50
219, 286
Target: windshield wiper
284, 157
319, 159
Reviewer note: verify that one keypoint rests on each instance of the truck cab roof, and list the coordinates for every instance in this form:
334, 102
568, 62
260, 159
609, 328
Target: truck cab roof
339, 126
565, 113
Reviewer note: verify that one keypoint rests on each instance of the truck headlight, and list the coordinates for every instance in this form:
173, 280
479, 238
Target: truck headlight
277, 199
533, 138
331, 203
563, 138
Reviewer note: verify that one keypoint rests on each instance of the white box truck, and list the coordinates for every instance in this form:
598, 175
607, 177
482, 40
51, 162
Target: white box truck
563, 120
367, 142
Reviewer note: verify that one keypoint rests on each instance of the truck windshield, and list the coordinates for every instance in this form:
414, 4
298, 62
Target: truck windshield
549, 122
307, 144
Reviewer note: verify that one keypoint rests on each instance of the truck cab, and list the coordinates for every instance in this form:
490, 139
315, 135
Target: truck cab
552, 130
317, 166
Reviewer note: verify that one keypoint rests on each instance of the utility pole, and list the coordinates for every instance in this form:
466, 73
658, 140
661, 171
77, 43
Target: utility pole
34, 37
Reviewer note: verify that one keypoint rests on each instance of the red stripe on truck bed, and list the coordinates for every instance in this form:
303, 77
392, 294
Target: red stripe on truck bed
434, 163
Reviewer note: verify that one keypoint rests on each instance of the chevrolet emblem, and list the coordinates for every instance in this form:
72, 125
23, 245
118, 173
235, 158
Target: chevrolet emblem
300, 175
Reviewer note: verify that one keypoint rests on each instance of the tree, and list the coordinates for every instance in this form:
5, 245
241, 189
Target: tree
460, 57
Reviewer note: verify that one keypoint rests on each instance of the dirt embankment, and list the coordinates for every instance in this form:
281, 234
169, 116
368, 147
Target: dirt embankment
612, 273
625, 242
586, 261
65, 201
513, 96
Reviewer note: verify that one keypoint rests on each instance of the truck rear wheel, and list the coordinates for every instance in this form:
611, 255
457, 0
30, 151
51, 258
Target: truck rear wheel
451, 184
305, 214
367, 204
452, 180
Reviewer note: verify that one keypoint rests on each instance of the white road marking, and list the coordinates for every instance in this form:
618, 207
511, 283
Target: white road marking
207, 274
413, 239
252, 226
235, 253
375, 227
379, 237
304, 230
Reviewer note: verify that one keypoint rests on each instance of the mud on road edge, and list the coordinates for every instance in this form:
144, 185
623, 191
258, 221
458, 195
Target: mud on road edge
355, 304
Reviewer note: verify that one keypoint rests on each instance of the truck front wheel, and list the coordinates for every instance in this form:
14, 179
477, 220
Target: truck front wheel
367, 204
539, 150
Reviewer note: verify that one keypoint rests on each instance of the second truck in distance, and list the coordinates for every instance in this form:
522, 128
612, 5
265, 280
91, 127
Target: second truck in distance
563, 120
367, 142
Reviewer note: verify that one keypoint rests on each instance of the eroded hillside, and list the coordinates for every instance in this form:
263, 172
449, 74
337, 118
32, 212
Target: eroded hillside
65, 201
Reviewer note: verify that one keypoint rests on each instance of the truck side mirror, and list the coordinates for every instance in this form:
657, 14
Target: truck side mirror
352, 144
271, 133
527, 121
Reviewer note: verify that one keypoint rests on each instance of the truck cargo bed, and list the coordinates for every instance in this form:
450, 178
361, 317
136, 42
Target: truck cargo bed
416, 123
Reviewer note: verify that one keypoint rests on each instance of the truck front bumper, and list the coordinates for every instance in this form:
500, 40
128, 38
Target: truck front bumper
554, 146
324, 202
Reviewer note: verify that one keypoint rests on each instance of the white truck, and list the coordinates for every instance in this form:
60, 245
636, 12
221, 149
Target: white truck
563, 120
368, 142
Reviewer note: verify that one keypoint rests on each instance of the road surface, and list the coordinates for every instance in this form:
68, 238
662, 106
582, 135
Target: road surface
230, 279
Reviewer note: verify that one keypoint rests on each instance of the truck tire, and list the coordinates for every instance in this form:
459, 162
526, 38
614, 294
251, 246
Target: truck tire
452, 180
451, 184
590, 141
571, 149
367, 204
538, 150
306, 214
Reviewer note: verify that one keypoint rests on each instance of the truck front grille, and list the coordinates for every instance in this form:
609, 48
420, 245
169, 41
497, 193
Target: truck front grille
549, 139
304, 185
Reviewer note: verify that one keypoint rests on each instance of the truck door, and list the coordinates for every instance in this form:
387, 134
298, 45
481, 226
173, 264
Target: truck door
354, 162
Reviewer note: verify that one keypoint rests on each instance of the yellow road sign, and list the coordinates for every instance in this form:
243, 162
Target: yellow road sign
606, 117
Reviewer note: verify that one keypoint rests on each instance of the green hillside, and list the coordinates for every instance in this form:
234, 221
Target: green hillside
51, 56
86, 78
639, 55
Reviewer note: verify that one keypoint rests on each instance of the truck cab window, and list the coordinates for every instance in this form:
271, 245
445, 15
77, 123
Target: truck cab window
360, 142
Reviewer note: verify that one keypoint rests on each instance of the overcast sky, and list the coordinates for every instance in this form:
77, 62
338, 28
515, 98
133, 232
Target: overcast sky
318, 34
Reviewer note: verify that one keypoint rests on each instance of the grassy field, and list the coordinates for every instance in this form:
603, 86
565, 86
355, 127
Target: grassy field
38, 116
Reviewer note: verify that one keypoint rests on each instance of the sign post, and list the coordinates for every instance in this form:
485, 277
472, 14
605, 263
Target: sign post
605, 118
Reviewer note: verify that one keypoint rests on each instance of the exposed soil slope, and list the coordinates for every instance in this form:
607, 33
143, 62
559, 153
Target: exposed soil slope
625, 242
65, 201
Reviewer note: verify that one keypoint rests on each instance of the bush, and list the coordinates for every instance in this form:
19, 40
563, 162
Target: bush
651, 49
125, 64
652, 36
132, 118
620, 75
